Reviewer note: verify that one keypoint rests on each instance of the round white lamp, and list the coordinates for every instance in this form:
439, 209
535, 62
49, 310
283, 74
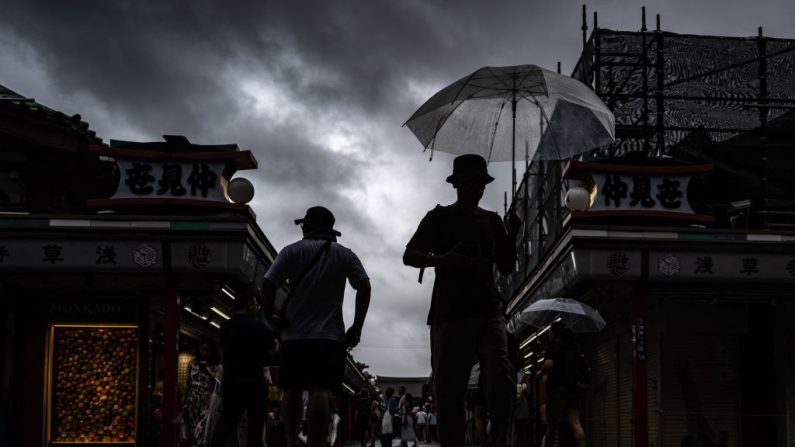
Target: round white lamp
240, 190
578, 199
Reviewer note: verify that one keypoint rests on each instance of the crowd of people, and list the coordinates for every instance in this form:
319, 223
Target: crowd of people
466, 245
394, 417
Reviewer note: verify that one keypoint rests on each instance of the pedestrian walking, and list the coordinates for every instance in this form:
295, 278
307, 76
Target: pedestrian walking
387, 426
375, 422
361, 417
522, 414
433, 435
563, 396
407, 432
422, 424
464, 242
245, 343
314, 339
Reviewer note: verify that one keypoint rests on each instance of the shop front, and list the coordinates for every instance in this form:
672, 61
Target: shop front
100, 350
697, 348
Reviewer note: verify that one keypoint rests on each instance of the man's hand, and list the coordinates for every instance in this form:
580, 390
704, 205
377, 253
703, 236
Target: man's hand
454, 258
353, 336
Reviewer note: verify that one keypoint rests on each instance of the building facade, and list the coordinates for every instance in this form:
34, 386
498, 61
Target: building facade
687, 245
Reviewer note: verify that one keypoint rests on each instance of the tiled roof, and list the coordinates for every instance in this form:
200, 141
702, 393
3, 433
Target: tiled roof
14, 101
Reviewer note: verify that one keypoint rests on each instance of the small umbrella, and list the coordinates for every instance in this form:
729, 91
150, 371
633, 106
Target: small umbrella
488, 112
578, 317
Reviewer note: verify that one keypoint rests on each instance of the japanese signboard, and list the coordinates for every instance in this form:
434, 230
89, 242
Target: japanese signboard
172, 176
653, 191
170, 179
671, 265
666, 265
57, 254
641, 192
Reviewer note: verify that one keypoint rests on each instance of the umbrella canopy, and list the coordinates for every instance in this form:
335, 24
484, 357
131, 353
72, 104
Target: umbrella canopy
578, 317
496, 111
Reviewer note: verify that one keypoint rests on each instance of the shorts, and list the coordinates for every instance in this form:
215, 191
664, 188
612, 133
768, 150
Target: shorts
312, 365
559, 401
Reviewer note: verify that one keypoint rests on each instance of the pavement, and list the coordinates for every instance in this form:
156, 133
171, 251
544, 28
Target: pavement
395, 443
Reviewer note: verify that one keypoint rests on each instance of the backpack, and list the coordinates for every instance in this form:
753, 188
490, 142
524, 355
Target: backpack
578, 370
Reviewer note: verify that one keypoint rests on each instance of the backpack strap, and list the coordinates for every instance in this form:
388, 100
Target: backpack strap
294, 287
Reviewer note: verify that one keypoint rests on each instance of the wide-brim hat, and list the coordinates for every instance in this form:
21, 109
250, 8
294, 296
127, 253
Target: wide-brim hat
319, 220
470, 167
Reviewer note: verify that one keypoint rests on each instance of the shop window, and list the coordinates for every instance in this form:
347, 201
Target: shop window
93, 384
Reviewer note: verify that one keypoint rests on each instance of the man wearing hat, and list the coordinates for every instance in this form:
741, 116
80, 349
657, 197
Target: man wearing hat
314, 339
463, 242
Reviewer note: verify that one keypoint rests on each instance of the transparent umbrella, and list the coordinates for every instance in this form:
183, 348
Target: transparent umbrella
497, 111
578, 317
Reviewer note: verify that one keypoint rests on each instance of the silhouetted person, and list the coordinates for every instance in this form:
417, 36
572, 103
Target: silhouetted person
245, 342
463, 242
314, 340
563, 398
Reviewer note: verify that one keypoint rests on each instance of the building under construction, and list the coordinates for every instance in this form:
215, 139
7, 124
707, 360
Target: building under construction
696, 280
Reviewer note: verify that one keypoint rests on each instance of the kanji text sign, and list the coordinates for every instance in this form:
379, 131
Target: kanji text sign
647, 192
198, 180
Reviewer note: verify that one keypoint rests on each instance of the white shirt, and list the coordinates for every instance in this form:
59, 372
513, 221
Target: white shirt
422, 417
314, 310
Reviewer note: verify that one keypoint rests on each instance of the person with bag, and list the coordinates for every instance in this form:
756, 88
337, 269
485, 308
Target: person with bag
407, 432
464, 243
375, 422
567, 378
387, 434
314, 340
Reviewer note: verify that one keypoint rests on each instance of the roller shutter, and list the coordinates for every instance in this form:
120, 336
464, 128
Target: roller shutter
700, 394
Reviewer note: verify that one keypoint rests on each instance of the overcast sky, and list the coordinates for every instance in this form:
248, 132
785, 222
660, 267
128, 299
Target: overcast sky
319, 90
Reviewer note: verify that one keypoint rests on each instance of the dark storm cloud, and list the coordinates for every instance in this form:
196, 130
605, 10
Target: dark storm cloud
279, 77
146, 56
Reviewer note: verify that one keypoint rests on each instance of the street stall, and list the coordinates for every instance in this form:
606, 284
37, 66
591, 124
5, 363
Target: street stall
115, 261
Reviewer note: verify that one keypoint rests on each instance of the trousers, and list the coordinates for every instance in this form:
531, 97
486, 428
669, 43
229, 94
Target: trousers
455, 346
253, 399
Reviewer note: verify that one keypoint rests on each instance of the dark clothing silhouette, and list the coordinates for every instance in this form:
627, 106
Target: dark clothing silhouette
245, 342
462, 292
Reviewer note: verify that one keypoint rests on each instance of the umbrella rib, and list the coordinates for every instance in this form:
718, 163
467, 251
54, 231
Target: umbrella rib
549, 124
463, 84
494, 129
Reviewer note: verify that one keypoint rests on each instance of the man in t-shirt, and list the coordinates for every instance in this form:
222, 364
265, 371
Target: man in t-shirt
463, 242
314, 340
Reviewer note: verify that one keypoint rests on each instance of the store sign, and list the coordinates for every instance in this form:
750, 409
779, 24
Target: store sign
130, 256
650, 191
80, 254
199, 256
640, 339
608, 264
92, 310
642, 192
678, 265
170, 179
721, 266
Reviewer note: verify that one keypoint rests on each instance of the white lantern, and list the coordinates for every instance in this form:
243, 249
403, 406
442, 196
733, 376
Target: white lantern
240, 190
578, 199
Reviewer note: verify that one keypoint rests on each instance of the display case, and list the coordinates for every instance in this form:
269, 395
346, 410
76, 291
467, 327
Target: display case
93, 384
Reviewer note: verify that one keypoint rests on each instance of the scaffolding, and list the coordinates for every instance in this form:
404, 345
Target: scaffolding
729, 101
